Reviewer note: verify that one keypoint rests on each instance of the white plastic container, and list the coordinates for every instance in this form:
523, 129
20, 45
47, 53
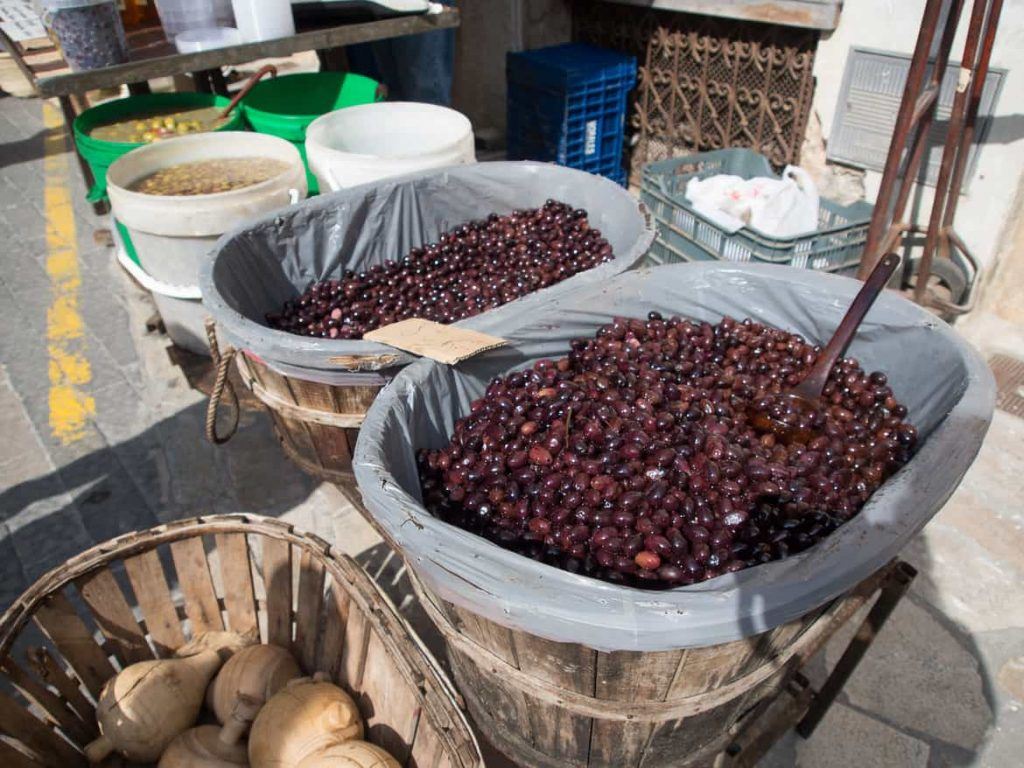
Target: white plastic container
89, 32
177, 16
263, 19
180, 307
206, 39
356, 145
172, 235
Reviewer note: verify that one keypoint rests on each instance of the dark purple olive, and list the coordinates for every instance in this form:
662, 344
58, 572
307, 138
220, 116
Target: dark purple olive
471, 268
657, 478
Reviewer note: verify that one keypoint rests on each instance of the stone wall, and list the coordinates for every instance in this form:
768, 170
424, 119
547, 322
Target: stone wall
987, 215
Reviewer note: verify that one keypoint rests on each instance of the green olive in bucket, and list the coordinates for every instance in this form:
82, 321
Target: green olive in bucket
143, 129
207, 177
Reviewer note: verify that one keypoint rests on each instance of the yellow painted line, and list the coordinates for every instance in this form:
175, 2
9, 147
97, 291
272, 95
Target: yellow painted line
71, 406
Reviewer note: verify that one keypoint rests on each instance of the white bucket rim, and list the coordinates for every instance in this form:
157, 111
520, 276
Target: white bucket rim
140, 152
318, 127
210, 214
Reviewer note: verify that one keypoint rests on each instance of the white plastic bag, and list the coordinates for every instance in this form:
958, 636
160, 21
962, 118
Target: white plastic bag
717, 198
776, 207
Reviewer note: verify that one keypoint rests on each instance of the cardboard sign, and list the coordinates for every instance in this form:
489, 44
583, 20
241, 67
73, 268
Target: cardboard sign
444, 343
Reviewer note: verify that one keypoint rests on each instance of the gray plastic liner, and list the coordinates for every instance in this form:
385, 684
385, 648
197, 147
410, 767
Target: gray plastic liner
254, 269
943, 381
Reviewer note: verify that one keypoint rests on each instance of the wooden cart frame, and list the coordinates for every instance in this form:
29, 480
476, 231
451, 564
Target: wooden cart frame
799, 705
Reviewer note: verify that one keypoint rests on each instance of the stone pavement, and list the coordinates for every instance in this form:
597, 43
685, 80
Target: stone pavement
139, 457
101, 435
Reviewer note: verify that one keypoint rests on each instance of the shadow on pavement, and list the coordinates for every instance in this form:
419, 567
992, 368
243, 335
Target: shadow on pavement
164, 473
24, 150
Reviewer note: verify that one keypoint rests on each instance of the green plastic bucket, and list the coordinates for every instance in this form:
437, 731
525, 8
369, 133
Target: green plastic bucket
285, 106
126, 241
100, 154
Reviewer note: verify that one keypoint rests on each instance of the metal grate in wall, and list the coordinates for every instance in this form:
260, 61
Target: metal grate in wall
869, 101
1009, 375
708, 83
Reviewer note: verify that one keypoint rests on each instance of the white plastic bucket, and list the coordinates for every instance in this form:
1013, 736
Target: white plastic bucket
177, 16
206, 39
180, 307
356, 145
263, 19
172, 235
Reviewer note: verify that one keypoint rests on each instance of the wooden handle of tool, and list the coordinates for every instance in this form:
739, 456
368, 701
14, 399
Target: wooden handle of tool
253, 79
811, 387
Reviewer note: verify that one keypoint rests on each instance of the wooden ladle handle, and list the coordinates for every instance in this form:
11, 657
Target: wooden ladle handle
811, 387
255, 77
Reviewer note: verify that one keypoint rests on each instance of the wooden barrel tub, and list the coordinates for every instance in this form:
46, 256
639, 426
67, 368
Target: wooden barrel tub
564, 705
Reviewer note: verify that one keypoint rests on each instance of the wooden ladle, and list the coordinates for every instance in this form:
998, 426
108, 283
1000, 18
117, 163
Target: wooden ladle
255, 77
790, 416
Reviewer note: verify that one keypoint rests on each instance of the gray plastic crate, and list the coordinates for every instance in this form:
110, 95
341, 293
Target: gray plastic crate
685, 235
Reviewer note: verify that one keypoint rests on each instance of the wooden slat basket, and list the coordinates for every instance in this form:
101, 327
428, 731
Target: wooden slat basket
565, 705
142, 595
316, 423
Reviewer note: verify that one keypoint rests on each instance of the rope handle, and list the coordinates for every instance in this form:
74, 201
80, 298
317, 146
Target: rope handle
222, 363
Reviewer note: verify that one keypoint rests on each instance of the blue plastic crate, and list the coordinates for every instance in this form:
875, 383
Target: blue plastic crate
617, 174
567, 105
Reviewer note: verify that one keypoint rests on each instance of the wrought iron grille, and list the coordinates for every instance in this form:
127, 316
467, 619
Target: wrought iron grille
707, 83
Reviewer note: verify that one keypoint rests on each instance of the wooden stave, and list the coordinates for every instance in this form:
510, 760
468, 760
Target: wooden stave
317, 424
654, 743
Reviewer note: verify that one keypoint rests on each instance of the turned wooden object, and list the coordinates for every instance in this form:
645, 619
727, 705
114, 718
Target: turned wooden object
256, 672
306, 716
149, 703
226, 644
350, 754
207, 746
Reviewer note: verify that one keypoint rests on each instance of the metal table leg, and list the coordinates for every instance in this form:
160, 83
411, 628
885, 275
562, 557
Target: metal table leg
210, 81
68, 109
891, 594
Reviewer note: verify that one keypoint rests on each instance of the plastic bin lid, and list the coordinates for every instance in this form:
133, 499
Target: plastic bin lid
576, 60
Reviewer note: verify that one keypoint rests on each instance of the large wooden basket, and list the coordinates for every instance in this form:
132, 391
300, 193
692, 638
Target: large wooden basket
565, 705
144, 594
